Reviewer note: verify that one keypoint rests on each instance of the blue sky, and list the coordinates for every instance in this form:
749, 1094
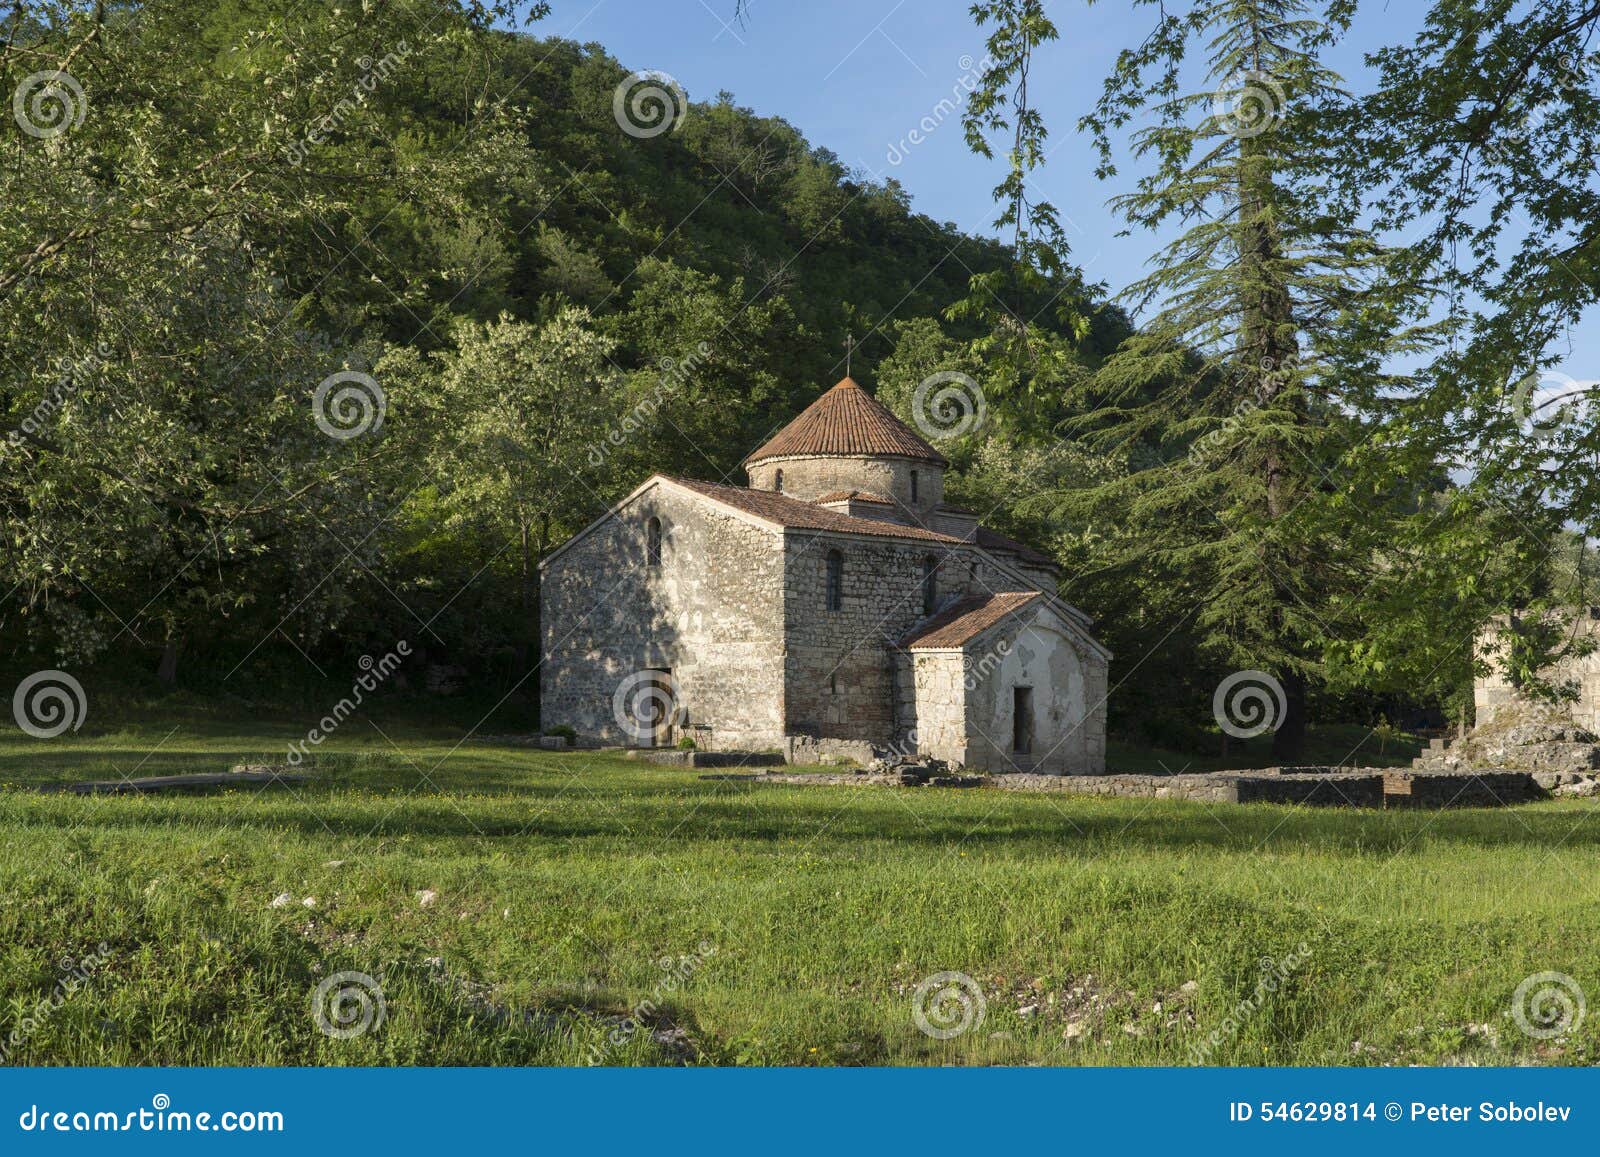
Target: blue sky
856, 76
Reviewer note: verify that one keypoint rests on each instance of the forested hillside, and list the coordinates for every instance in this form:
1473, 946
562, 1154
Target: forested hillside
320, 325
266, 194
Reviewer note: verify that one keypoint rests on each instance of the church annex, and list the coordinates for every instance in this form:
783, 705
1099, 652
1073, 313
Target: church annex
836, 605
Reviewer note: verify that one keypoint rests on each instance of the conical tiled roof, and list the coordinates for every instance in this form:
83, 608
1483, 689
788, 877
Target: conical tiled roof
847, 420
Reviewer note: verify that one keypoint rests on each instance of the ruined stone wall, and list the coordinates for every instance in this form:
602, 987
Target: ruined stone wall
712, 613
840, 669
1493, 695
810, 478
1068, 698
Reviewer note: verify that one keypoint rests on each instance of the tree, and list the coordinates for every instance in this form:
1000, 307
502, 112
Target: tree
1270, 321
524, 407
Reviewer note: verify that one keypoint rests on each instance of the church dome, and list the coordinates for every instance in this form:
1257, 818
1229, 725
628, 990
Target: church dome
847, 422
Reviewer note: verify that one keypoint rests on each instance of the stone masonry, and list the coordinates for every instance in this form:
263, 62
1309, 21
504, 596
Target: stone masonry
843, 609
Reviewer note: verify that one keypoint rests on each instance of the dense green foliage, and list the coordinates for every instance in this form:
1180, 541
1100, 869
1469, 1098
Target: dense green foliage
322, 324
262, 194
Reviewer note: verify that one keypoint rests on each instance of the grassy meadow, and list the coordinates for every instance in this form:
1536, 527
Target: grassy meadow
519, 907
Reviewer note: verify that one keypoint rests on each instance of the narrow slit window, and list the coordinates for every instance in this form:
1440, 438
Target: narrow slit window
913, 486
777, 481
835, 580
652, 542
930, 584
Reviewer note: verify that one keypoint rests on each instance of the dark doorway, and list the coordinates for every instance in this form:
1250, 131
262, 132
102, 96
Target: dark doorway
1022, 720
661, 707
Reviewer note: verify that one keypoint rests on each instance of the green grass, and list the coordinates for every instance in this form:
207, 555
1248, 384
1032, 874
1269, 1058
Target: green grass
563, 881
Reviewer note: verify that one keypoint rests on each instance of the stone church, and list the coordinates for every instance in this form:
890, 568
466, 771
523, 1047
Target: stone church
837, 605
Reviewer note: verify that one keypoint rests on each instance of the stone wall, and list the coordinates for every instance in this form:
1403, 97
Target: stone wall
941, 706
840, 669
1493, 695
1036, 650
811, 478
711, 613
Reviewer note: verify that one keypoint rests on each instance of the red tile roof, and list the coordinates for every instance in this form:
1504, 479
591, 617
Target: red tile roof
848, 421
792, 512
967, 618
994, 540
854, 496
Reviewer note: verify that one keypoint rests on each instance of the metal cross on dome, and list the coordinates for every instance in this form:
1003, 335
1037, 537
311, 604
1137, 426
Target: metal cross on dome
849, 346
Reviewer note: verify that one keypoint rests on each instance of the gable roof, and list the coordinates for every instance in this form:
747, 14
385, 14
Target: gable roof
801, 515
847, 421
994, 540
965, 619
854, 496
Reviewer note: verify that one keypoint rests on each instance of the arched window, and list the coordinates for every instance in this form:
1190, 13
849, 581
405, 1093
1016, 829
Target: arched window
652, 542
835, 580
913, 486
777, 481
930, 584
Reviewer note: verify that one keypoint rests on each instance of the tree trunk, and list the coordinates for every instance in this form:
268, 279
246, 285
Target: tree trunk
1290, 738
167, 669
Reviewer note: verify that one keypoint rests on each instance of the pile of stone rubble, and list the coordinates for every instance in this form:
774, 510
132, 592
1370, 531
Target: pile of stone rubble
1562, 757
